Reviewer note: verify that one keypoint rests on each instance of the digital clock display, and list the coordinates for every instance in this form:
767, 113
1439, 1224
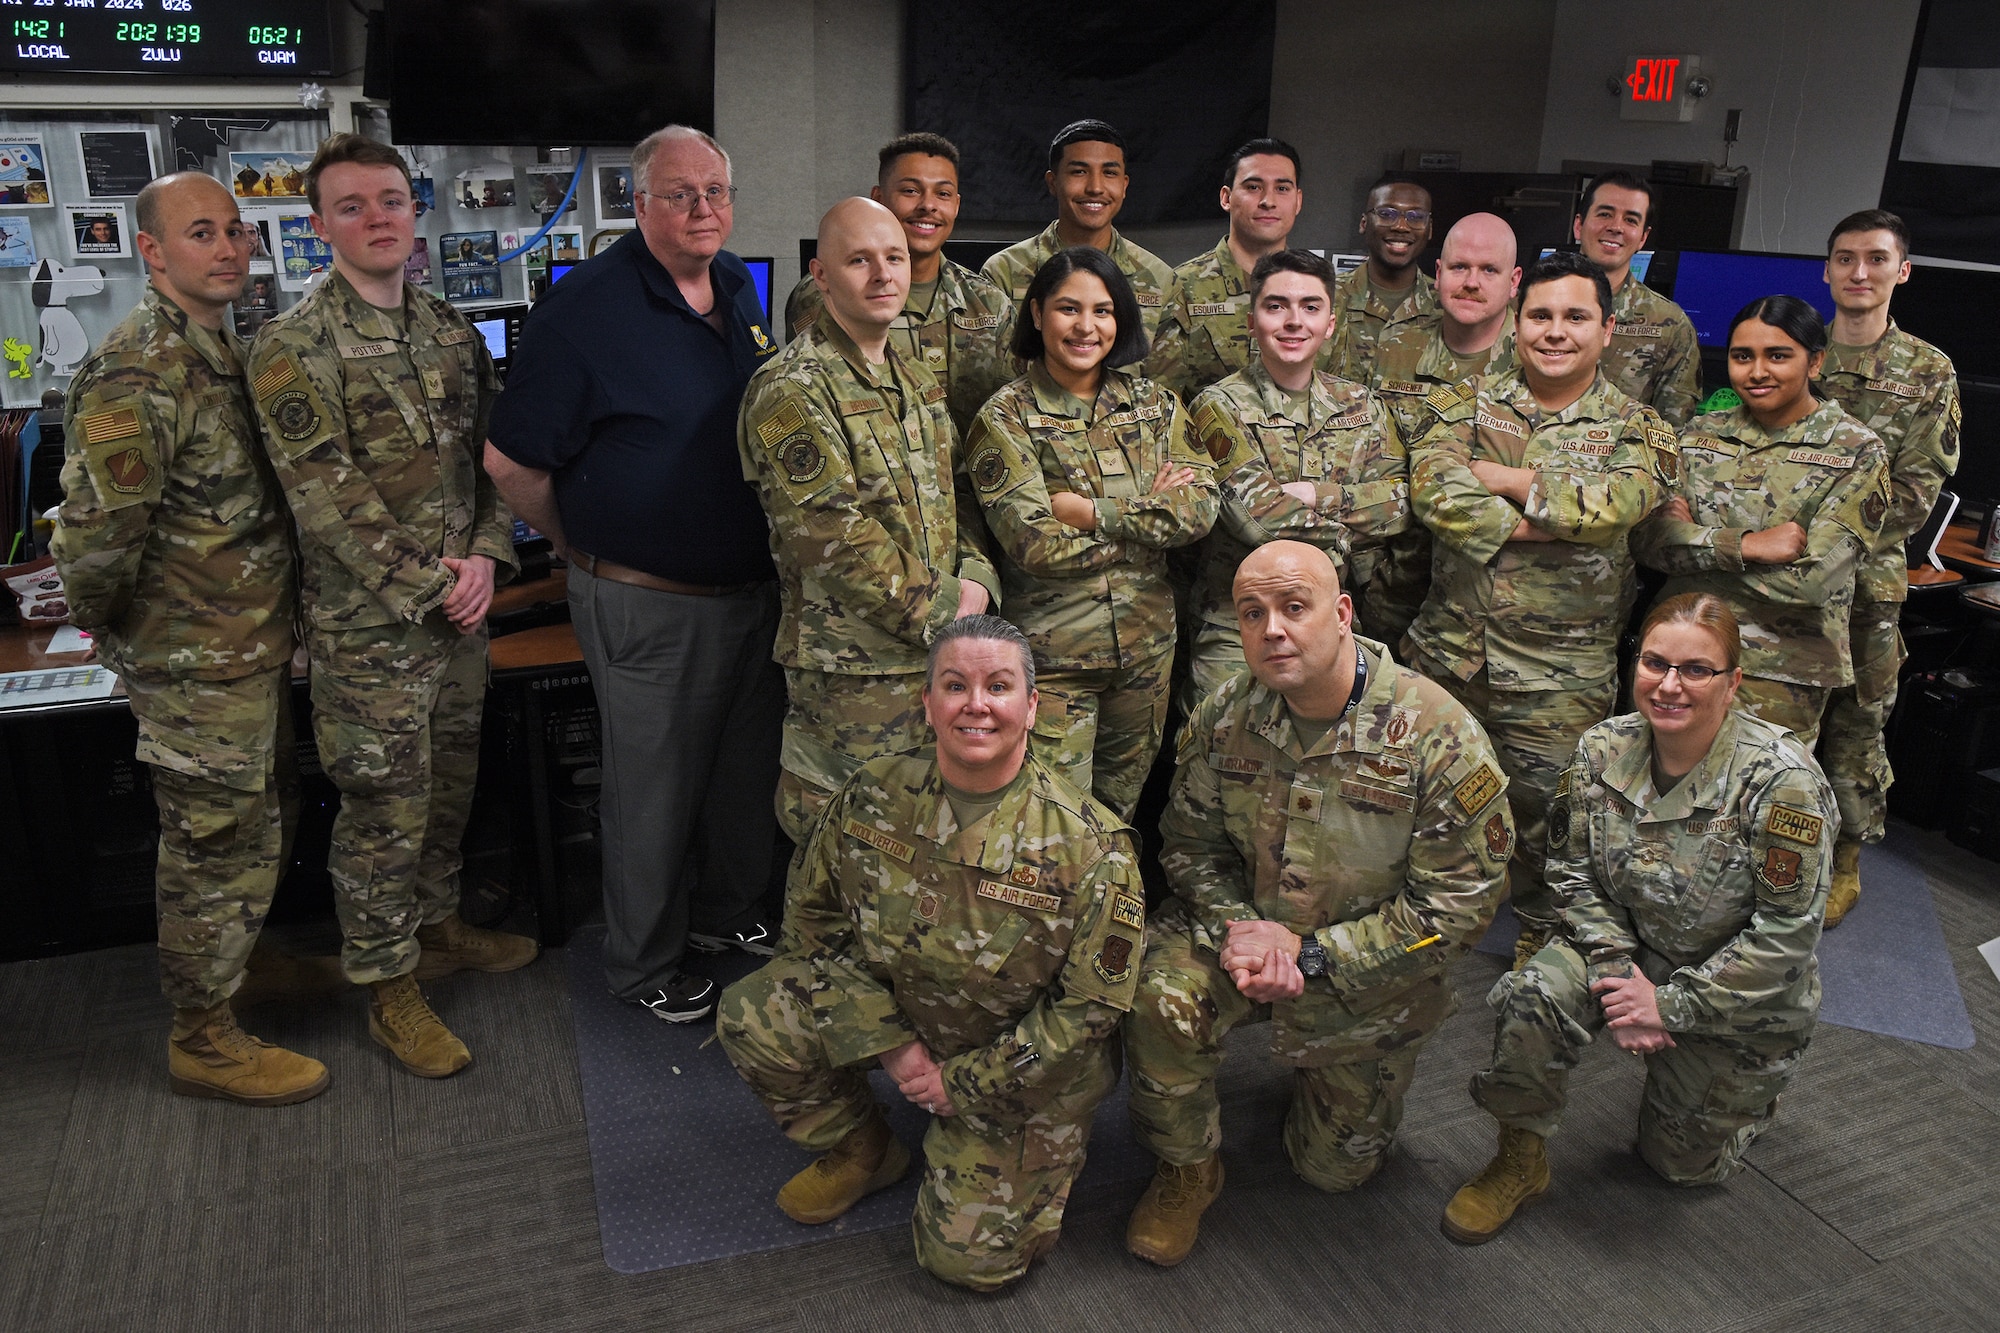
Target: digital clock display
205, 38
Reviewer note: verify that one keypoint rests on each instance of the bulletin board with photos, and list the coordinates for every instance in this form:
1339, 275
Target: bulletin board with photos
69, 271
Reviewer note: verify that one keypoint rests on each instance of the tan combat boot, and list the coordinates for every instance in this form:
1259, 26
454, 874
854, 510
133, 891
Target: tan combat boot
451, 946
1167, 1219
1846, 890
399, 1019
868, 1159
1486, 1203
1527, 944
209, 1056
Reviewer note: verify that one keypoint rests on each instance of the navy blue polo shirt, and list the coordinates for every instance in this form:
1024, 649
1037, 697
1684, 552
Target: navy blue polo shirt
629, 399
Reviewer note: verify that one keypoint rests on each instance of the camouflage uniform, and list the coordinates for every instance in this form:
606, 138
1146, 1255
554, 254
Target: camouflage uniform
1715, 892
1362, 322
1097, 606
1392, 829
1525, 634
855, 468
961, 337
1653, 355
1826, 473
374, 424
1006, 948
1905, 391
1409, 363
1152, 277
1350, 450
176, 556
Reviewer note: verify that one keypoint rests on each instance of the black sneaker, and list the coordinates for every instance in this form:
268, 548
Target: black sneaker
757, 938
682, 1000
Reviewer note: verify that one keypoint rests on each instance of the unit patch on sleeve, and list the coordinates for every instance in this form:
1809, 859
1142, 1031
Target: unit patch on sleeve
1114, 960
1499, 838
1477, 790
988, 469
294, 414
128, 471
802, 458
1798, 825
1128, 911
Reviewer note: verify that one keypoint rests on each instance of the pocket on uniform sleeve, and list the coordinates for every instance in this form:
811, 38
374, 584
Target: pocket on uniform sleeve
192, 756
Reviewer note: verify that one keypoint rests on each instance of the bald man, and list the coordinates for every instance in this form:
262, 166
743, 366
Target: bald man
1478, 274
851, 448
175, 551
1338, 834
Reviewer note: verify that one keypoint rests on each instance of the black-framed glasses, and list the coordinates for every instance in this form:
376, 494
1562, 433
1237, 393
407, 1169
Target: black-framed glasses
1388, 216
719, 197
1692, 673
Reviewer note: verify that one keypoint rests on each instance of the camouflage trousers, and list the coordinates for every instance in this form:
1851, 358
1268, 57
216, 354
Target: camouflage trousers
1798, 708
1534, 735
1215, 655
833, 725
1394, 591
1101, 728
996, 1177
1706, 1100
396, 716
1346, 1104
1851, 745
226, 783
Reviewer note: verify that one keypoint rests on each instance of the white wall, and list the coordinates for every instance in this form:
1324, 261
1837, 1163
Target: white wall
1818, 82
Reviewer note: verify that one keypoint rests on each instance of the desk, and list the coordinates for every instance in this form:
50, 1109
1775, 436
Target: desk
1959, 548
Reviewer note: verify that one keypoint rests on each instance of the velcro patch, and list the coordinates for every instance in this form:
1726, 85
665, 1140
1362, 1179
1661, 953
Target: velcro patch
1351, 420
295, 415
801, 458
128, 471
854, 407
1597, 433
1595, 448
1781, 867
452, 337
1024, 875
1305, 802
1708, 444
1639, 330
877, 839
1402, 721
773, 429
1501, 424
1499, 838
1015, 896
1897, 387
974, 322
1370, 796
1149, 299
1114, 960
1818, 458
1443, 398
357, 351
274, 377
1477, 790
1128, 911
934, 394
1200, 309
1798, 825
1720, 825
1237, 763
988, 469
103, 427
1037, 421
1400, 386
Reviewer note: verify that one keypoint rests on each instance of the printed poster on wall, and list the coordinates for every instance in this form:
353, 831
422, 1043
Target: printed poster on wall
302, 255
471, 263
24, 172
117, 164
17, 242
98, 231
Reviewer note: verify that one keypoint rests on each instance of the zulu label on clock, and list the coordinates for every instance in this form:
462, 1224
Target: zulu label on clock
271, 38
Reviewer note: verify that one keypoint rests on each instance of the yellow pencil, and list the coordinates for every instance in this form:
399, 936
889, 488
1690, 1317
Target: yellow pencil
1421, 943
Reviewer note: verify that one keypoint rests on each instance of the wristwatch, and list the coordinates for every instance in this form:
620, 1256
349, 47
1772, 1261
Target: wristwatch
1312, 957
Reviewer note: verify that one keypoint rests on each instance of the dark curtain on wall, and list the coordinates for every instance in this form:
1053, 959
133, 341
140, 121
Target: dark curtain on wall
1944, 168
1185, 81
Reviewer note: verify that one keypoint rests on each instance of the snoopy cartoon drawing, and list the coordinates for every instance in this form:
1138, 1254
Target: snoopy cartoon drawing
64, 343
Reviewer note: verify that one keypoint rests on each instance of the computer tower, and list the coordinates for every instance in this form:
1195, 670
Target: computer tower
1945, 731
1977, 824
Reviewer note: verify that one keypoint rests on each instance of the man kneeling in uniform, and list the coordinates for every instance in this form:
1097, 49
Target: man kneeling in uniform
1336, 836
971, 922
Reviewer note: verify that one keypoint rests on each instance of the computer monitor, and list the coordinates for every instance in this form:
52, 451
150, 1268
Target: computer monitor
1642, 262
1712, 285
761, 270
500, 327
557, 272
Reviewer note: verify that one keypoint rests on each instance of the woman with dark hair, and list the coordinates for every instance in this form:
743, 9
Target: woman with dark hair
1777, 501
1089, 473
1691, 846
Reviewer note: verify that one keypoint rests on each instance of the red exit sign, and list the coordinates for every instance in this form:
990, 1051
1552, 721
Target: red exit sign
1655, 87
1652, 78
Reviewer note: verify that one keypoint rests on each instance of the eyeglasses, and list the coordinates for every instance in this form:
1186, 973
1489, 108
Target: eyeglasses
1387, 216
1692, 673
719, 197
